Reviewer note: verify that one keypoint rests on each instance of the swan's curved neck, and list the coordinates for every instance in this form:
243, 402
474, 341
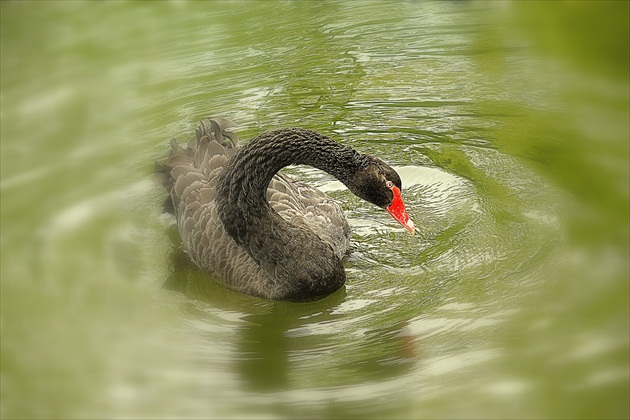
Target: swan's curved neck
244, 181
247, 217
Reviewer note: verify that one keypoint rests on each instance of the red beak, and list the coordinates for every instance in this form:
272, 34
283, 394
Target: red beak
398, 211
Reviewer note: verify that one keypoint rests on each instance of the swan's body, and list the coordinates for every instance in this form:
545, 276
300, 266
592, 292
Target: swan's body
261, 232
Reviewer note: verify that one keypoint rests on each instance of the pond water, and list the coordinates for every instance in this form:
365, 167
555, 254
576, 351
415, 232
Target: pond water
508, 123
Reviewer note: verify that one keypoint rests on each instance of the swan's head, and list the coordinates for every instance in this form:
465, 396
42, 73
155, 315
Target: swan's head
378, 183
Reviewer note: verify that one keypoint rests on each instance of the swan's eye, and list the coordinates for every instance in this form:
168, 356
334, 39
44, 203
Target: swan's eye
389, 184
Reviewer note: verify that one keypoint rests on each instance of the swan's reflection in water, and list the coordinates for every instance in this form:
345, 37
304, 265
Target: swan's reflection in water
284, 346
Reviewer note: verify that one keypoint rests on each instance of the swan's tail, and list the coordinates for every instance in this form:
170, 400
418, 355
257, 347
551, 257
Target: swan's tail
195, 157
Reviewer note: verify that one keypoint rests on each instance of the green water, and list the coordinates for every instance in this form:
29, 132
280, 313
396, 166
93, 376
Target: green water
508, 122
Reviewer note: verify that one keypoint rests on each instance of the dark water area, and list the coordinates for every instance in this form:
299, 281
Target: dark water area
507, 121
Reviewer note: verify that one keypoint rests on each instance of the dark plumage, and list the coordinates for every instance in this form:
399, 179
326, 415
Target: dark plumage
261, 232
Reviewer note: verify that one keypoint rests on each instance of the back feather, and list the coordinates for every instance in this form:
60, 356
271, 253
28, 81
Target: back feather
210, 148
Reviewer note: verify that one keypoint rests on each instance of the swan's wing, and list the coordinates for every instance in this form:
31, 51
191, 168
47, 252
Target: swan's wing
190, 174
302, 204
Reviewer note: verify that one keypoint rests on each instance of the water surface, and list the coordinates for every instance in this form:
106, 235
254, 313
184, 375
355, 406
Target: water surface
508, 126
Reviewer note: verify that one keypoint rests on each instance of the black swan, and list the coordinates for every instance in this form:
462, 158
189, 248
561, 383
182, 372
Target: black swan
259, 231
